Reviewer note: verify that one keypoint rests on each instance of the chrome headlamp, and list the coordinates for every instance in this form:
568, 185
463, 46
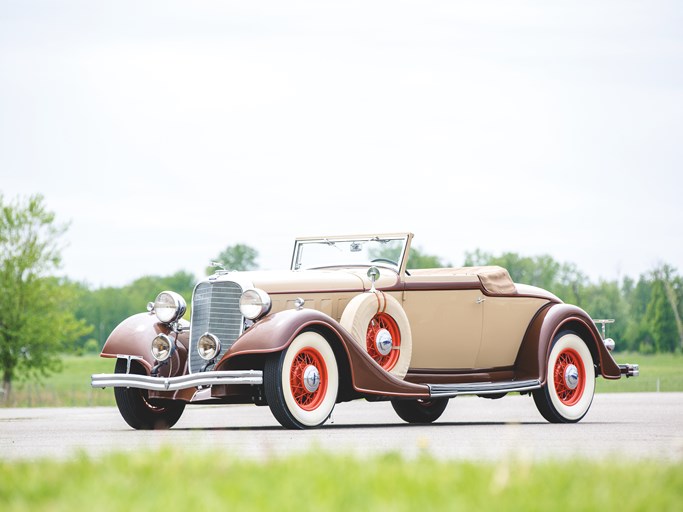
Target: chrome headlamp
254, 303
169, 307
162, 348
208, 346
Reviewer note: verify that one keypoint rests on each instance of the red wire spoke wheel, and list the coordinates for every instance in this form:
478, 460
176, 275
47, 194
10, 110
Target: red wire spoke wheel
383, 341
568, 391
308, 379
302, 381
569, 377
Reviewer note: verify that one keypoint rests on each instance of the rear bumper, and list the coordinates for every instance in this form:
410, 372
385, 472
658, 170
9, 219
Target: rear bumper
131, 380
630, 370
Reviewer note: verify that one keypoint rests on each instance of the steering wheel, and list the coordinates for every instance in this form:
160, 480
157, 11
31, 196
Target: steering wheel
387, 260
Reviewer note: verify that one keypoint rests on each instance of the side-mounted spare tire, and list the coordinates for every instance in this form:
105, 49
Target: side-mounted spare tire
378, 323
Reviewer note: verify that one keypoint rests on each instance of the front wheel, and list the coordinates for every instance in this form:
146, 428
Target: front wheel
136, 409
570, 381
420, 411
301, 382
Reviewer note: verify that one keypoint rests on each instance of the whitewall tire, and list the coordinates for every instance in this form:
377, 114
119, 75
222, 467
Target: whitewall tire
301, 382
570, 381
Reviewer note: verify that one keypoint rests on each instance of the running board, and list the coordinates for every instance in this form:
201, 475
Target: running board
482, 388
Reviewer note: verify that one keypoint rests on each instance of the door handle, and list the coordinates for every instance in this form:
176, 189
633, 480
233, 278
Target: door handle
480, 300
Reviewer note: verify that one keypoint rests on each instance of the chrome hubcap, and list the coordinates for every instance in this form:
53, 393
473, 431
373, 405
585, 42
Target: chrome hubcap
383, 342
311, 378
571, 376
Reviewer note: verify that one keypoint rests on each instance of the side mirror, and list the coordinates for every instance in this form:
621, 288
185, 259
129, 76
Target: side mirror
373, 274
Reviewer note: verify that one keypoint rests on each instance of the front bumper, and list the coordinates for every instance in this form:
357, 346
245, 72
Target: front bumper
131, 380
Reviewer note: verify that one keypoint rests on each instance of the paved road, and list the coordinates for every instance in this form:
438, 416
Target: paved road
625, 426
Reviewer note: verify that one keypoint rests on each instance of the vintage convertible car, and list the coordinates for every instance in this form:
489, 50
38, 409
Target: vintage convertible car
349, 321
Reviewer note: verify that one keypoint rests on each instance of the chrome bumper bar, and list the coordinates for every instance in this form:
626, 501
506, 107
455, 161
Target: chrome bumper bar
630, 370
131, 380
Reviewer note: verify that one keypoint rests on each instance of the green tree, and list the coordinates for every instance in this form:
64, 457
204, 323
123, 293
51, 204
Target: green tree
661, 313
236, 257
661, 320
607, 300
419, 259
673, 289
562, 279
105, 308
36, 318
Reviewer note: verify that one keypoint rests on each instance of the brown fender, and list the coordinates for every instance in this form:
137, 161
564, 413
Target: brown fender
133, 337
532, 359
277, 331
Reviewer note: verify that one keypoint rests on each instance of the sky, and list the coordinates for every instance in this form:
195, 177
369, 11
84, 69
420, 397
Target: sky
164, 131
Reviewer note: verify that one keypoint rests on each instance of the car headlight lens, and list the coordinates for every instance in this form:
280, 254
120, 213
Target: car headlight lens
208, 346
162, 348
169, 307
254, 303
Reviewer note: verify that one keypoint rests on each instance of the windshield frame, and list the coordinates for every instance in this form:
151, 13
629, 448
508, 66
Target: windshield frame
301, 243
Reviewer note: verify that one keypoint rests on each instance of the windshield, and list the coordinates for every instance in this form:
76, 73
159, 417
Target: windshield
383, 250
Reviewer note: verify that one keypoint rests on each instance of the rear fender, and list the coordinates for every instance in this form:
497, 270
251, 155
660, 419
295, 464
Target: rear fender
532, 359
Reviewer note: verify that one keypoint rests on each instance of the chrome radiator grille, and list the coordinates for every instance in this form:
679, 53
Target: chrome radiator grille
215, 309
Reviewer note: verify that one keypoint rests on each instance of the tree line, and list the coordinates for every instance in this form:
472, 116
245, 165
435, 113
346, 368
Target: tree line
647, 311
42, 316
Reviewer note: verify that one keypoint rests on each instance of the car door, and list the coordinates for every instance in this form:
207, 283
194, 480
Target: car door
446, 325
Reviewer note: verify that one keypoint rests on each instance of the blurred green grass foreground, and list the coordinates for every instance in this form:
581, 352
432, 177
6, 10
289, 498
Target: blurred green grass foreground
71, 387
173, 479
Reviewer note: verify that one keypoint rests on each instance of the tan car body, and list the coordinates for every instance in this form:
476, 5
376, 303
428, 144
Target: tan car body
472, 330
458, 337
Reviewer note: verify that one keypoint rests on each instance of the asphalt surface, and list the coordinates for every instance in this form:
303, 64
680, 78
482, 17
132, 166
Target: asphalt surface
621, 427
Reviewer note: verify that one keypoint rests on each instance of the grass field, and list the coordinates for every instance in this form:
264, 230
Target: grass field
172, 479
71, 387
658, 372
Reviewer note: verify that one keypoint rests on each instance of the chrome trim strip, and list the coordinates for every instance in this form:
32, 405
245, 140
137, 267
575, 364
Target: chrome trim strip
482, 388
121, 380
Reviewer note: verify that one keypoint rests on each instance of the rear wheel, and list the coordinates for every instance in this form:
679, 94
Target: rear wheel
420, 411
570, 381
301, 382
137, 411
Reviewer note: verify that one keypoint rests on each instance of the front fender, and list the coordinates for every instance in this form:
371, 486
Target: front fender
532, 359
133, 337
276, 332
